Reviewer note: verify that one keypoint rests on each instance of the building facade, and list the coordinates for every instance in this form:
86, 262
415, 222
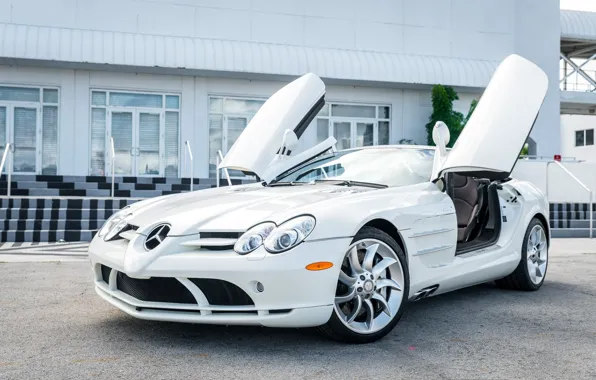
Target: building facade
162, 77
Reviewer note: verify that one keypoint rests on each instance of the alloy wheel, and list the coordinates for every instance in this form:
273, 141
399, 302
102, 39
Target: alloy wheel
537, 252
370, 286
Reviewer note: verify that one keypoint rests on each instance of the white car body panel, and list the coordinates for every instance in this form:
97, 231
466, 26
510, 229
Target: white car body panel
502, 120
420, 217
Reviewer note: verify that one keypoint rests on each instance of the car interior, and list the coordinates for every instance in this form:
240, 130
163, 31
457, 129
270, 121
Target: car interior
477, 209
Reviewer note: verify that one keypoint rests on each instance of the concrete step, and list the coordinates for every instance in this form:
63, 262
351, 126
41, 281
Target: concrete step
46, 235
571, 232
64, 203
569, 215
30, 185
55, 214
117, 179
52, 224
570, 223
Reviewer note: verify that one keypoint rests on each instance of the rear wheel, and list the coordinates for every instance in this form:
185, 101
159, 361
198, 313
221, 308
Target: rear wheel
372, 289
531, 271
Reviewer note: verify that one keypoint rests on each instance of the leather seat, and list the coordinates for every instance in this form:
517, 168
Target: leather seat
467, 199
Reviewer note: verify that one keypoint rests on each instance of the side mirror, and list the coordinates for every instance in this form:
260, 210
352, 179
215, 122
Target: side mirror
441, 135
441, 138
290, 141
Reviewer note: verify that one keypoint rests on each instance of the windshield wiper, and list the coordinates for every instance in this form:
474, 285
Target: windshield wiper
350, 183
291, 183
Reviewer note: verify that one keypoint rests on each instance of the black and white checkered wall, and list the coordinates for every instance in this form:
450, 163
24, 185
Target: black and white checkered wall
54, 208
49, 220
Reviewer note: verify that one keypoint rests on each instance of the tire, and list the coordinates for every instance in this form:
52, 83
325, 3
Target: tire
522, 278
385, 282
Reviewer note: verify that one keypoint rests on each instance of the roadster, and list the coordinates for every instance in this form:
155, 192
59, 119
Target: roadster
338, 240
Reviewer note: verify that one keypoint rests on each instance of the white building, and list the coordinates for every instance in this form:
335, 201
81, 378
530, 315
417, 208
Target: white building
154, 74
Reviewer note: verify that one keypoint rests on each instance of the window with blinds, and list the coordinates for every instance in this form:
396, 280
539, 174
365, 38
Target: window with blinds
29, 119
354, 125
145, 128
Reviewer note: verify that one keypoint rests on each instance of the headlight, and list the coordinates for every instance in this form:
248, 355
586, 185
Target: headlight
289, 234
114, 224
253, 238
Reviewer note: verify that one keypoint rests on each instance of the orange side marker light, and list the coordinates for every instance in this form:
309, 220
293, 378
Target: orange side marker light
321, 265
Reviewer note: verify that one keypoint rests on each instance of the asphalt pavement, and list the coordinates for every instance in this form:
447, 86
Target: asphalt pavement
54, 326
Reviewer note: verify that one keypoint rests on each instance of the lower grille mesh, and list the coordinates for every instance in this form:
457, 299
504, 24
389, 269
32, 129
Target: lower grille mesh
105, 273
220, 292
168, 289
155, 289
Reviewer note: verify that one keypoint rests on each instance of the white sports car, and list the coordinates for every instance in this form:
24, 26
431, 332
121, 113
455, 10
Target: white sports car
341, 240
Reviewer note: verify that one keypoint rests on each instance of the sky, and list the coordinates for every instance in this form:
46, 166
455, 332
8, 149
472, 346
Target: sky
579, 5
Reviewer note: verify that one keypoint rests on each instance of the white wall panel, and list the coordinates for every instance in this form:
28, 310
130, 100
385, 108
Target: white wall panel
281, 7
331, 33
5, 11
108, 15
278, 28
379, 37
428, 13
135, 81
166, 19
338, 9
49, 12
426, 41
382, 11
81, 139
498, 16
222, 23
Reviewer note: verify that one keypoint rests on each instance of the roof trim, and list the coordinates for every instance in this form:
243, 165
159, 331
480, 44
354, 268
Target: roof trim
578, 25
52, 44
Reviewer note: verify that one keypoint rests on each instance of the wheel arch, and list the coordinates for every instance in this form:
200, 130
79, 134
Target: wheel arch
544, 222
390, 229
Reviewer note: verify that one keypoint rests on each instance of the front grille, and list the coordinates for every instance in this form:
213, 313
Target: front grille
220, 235
155, 289
105, 273
224, 293
166, 289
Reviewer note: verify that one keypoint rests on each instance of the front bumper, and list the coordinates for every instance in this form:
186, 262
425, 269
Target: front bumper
220, 287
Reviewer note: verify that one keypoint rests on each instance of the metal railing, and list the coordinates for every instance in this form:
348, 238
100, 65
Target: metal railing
218, 161
580, 183
112, 162
8, 149
191, 167
547, 158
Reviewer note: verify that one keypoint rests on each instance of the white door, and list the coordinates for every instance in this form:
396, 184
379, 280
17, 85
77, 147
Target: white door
21, 126
149, 144
138, 142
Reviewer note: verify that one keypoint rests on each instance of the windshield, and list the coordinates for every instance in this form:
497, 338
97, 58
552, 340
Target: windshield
384, 166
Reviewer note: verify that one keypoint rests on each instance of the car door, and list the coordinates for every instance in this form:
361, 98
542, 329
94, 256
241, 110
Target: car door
490, 144
488, 147
282, 119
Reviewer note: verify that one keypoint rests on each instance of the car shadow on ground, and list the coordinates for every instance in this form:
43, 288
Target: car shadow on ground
456, 314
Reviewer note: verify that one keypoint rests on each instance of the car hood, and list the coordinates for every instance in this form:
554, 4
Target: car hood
230, 209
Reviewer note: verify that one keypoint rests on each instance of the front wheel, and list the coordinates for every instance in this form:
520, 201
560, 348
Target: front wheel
531, 271
372, 289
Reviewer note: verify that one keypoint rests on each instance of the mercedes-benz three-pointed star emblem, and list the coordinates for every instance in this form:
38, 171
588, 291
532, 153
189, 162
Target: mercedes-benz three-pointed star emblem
156, 236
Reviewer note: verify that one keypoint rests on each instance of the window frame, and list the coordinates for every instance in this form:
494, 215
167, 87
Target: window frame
134, 109
40, 104
355, 120
584, 137
224, 126
330, 118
